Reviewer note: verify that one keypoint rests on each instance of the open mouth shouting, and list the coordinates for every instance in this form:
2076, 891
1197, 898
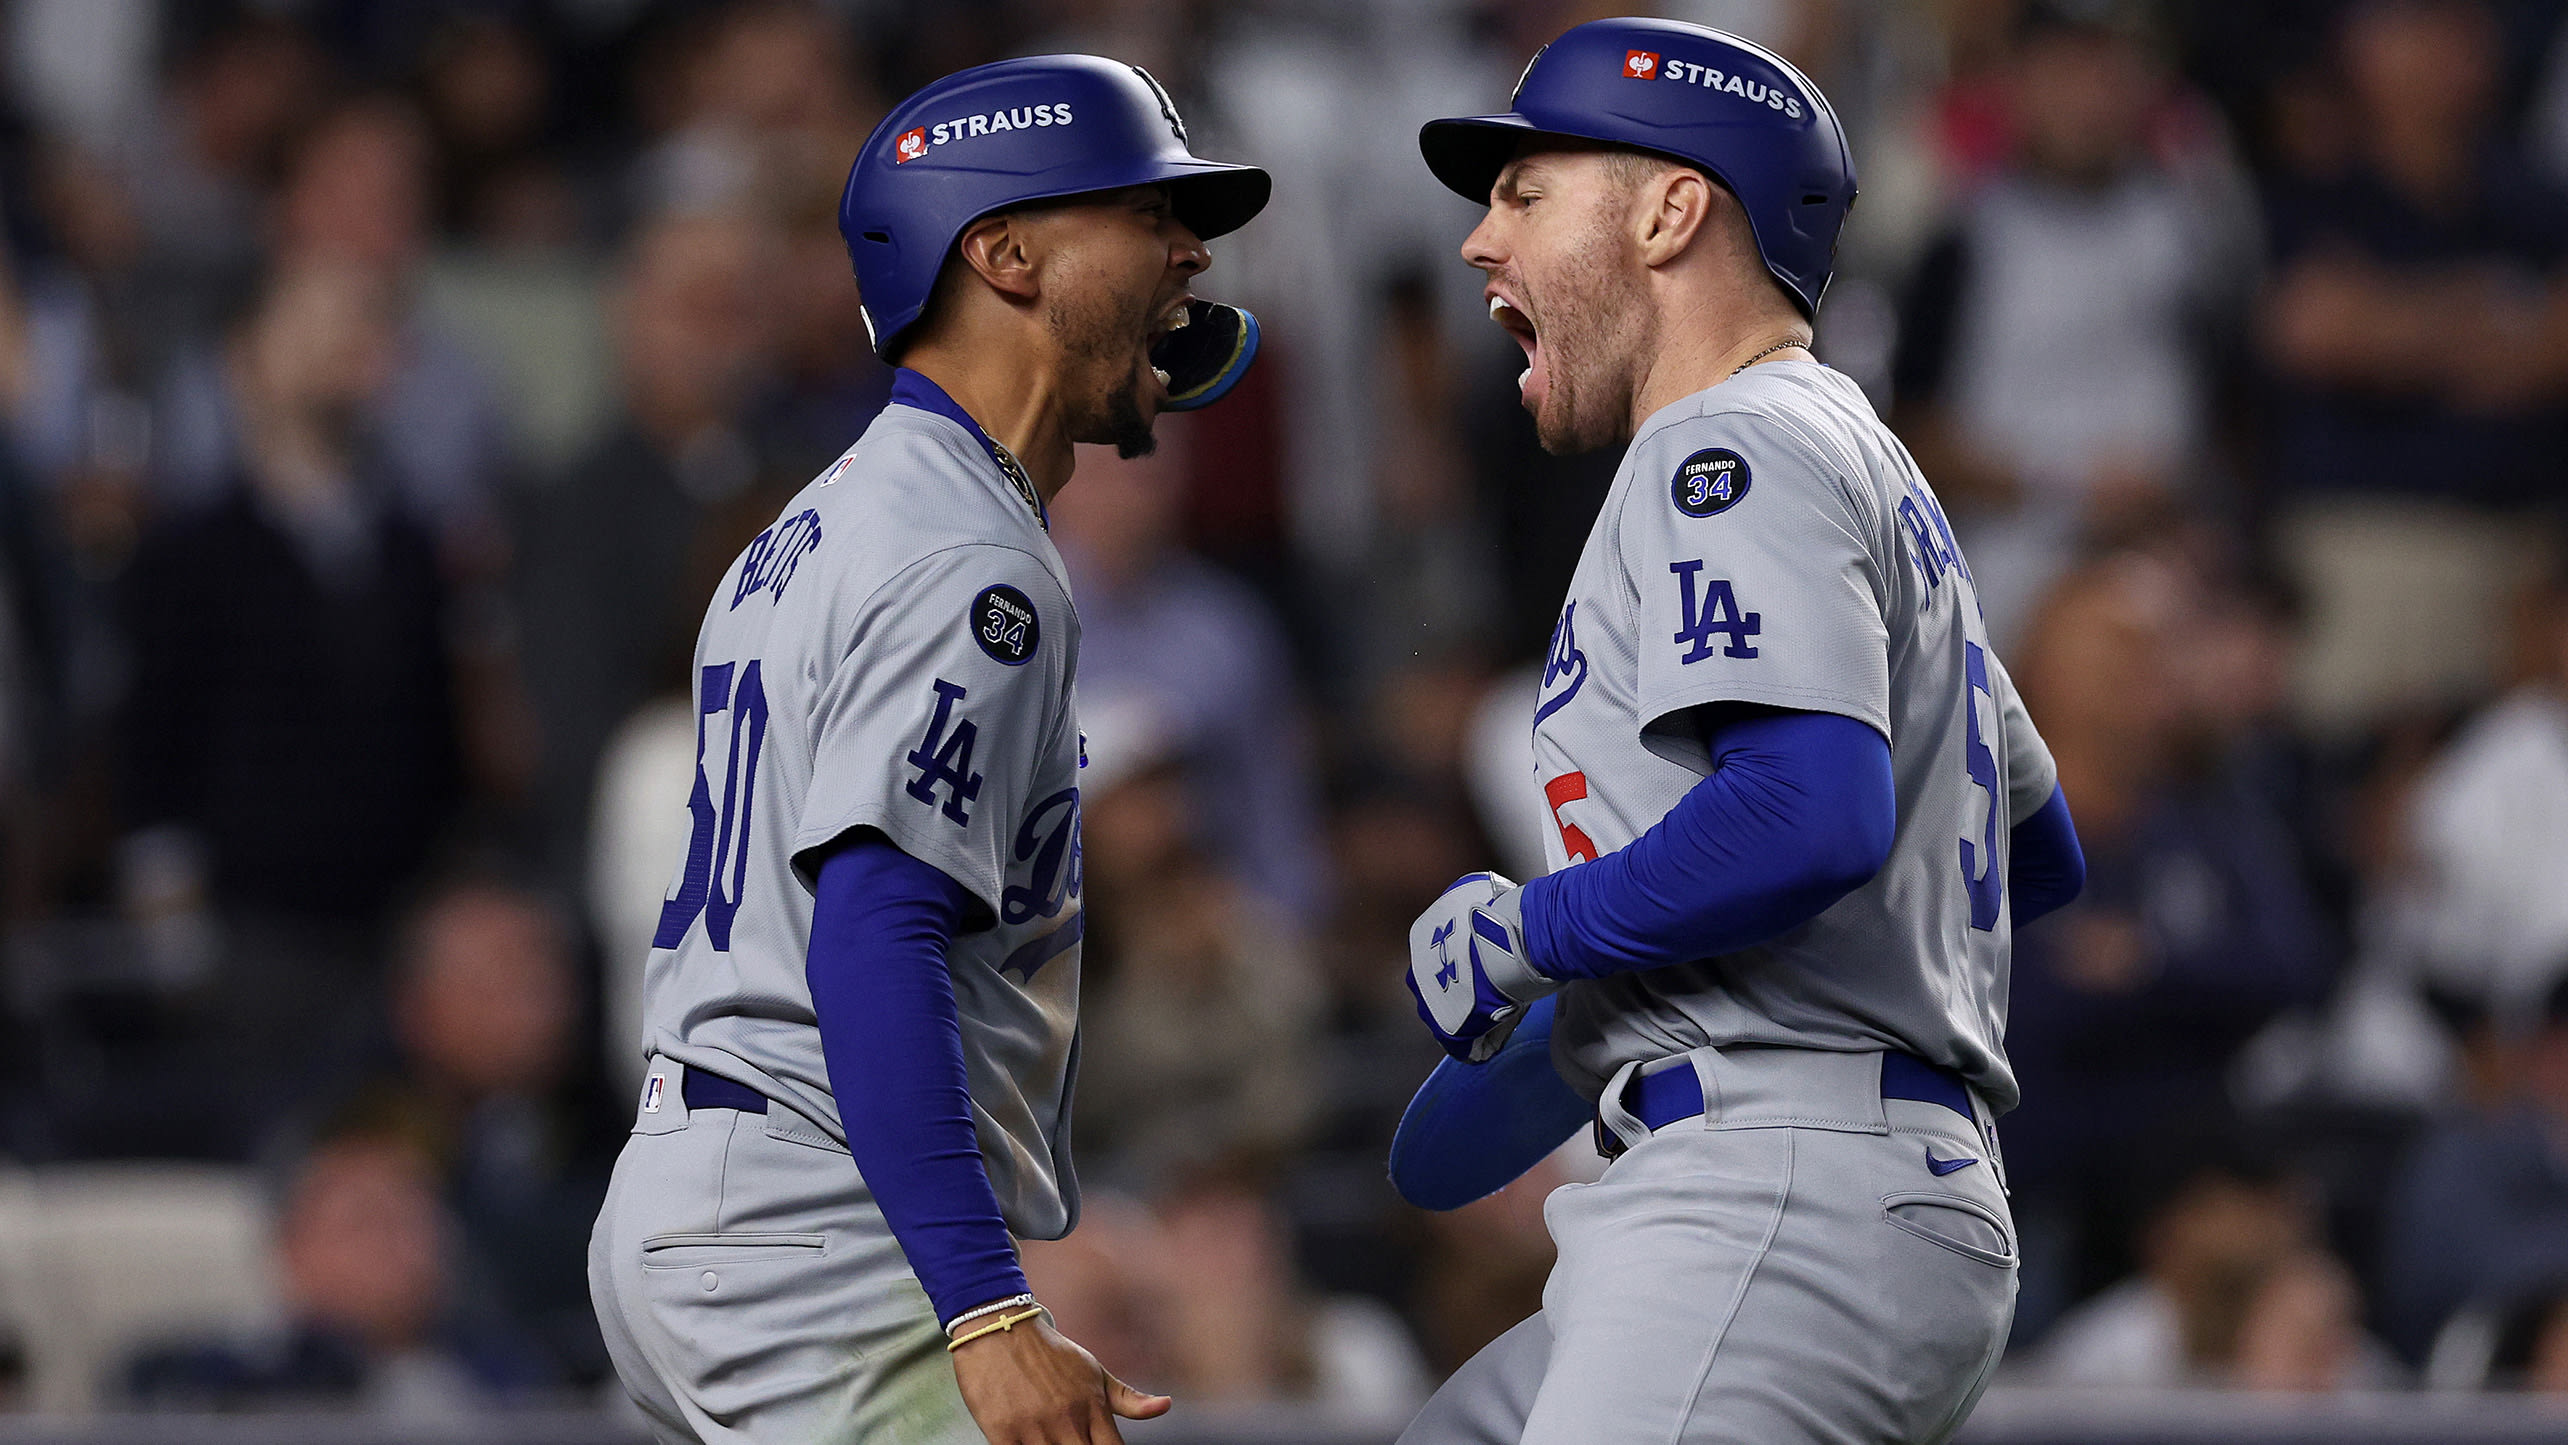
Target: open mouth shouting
1172, 317
1512, 316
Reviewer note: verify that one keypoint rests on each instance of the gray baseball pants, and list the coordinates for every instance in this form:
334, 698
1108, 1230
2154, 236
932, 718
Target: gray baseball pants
752, 1294
1788, 1267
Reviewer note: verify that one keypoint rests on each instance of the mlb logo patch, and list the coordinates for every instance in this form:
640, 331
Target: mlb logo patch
911, 145
1641, 64
651, 1093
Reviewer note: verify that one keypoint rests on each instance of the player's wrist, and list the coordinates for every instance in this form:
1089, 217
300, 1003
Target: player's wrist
999, 1305
1512, 970
999, 1317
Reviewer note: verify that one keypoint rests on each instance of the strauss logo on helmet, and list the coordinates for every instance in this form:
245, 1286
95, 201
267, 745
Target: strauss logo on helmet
911, 145
1640, 64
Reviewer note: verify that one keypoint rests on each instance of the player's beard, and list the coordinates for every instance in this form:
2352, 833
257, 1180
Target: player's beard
1097, 337
1597, 327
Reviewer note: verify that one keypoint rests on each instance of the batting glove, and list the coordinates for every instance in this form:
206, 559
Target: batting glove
1467, 966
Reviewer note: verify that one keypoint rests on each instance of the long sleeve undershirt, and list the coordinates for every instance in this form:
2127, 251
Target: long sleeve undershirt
1797, 812
880, 923
2045, 868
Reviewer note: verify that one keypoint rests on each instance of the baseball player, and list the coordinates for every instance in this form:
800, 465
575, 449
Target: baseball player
1803, 802
861, 1000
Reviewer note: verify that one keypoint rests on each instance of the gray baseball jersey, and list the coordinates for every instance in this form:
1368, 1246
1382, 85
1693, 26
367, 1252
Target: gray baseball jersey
895, 653
1768, 541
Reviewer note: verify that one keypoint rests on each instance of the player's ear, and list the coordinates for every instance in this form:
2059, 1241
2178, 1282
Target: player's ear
1671, 208
1001, 250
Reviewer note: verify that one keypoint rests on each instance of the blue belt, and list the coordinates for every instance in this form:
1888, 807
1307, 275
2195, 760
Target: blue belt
1670, 1095
712, 1091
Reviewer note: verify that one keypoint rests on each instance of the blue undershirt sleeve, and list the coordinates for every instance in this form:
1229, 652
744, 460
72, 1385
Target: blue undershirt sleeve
1798, 811
2045, 867
880, 923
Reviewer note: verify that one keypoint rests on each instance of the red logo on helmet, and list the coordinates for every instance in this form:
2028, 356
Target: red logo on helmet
911, 145
1641, 64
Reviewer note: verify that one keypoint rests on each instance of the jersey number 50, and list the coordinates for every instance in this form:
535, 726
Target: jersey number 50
719, 842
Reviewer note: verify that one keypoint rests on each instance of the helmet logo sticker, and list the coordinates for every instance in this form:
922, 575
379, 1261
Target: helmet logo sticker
1687, 72
911, 145
1023, 117
1641, 64
1167, 107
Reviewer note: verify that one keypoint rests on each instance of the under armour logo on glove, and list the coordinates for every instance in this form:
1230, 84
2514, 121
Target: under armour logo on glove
1467, 966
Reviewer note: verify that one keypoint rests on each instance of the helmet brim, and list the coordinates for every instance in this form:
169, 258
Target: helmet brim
1214, 198
1467, 152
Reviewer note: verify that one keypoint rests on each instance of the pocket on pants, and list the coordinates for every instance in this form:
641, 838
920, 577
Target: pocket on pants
696, 1251
1949, 1221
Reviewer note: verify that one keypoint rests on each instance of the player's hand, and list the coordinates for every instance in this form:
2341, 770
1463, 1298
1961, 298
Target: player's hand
1033, 1385
1467, 966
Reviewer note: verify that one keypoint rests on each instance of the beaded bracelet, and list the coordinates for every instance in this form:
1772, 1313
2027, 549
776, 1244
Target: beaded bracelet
999, 1306
1004, 1322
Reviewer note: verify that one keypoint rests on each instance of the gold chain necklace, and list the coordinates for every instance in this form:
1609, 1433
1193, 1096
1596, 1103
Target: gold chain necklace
1014, 471
1762, 355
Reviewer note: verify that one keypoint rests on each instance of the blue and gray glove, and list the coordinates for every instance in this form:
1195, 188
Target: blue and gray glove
1467, 966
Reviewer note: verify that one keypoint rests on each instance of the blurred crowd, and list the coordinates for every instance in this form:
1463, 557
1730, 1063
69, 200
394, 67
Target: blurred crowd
385, 383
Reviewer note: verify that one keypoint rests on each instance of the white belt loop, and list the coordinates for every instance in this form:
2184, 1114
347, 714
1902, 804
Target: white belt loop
1622, 1122
1701, 1061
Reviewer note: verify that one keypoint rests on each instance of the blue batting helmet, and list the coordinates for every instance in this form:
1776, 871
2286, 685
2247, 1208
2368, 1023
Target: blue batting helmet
995, 136
1695, 95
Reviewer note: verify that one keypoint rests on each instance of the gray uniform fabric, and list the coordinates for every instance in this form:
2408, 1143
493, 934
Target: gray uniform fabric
862, 611
751, 1293
1805, 1262
1785, 1269
896, 653
1823, 579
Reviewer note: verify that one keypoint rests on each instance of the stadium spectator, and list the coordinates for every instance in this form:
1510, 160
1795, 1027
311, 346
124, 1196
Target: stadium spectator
2057, 345
2487, 832
194, 170
2481, 1207
769, 99
1483, 1266
356, 194
2519, 1342
764, 105
289, 640
287, 754
2197, 926
1182, 953
1098, 1283
489, 96
1244, 1327
375, 1321
1395, 844
484, 1005
2233, 1291
1200, 1295
621, 553
831, 382
2416, 332
1172, 649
